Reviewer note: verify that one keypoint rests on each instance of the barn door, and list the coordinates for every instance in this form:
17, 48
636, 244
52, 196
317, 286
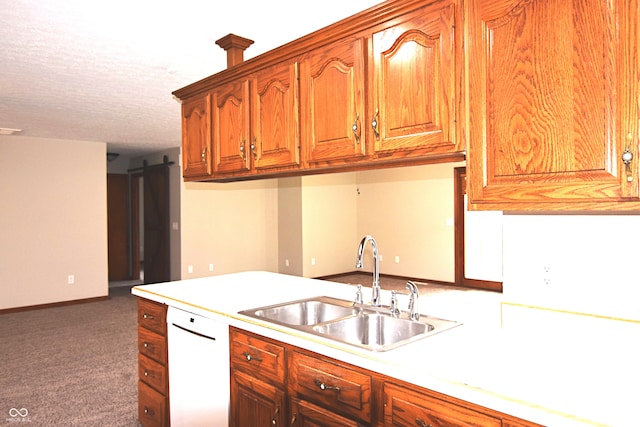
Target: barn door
156, 225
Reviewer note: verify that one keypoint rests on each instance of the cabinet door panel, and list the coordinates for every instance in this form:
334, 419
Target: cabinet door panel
196, 137
305, 414
275, 121
550, 113
332, 81
403, 407
414, 83
231, 127
254, 403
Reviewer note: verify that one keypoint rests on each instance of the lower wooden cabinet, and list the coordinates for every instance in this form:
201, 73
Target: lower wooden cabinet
273, 383
405, 407
152, 406
305, 414
153, 383
330, 384
255, 402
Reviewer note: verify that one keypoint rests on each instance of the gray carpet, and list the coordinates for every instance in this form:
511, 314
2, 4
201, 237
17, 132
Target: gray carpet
74, 365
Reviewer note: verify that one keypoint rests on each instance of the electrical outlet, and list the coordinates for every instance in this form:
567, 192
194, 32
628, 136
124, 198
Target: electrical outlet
189, 269
397, 259
286, 263
313, 261
546, 274
71, 279
211, 267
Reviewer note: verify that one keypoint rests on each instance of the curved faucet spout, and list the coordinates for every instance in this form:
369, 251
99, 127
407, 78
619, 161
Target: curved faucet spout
375, 289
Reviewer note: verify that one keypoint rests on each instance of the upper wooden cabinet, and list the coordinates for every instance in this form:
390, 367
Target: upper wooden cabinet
275, 127
553, 104
255, 122
231, 132
377, 89
414, 91
332, 80
196, 137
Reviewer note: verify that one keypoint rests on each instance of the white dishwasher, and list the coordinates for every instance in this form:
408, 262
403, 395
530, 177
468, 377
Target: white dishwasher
198, 370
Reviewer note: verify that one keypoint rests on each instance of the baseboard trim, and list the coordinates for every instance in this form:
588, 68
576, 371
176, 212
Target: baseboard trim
53, 304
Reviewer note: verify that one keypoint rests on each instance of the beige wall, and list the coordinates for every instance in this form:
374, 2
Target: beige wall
54, 221
233, 226
329, 225
290, 220
409, 211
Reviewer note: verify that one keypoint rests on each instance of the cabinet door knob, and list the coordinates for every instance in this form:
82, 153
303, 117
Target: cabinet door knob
627, 158
253, 148
374, 124
147, 316
242, 152
356, 129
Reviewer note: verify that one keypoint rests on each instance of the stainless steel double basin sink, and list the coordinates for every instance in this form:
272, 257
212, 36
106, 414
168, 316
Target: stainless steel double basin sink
364, 326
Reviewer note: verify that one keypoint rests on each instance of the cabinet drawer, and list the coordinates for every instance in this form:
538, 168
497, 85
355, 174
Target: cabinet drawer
152, 373
152, 315
404, 407
257, 356
333, 386
152, 407
152, 345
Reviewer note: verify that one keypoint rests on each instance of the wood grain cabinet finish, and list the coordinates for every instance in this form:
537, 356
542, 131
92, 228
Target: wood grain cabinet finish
230, 127
196, 137
333, 118
273, 382
306, 414
553, 103
404, 407
415, 86
255, 122
332, 385
153, 389
378, 89
258, 378
255, 402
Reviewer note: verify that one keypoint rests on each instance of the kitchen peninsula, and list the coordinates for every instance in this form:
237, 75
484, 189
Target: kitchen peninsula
540, 375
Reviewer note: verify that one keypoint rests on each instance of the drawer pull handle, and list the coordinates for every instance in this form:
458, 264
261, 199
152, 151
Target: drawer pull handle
249, 357
275, 414
293, 419
322, 386
421, 423
148, 316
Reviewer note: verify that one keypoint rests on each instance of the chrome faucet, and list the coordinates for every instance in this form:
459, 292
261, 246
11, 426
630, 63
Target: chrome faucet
375, 289
414, 314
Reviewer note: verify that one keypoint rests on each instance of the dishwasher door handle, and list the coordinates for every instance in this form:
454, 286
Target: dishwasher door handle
193, 332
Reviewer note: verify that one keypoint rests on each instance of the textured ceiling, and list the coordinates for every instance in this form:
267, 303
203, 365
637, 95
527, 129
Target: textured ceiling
104, 70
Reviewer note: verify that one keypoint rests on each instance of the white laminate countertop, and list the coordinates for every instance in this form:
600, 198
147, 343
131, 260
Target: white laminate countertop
555, 379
